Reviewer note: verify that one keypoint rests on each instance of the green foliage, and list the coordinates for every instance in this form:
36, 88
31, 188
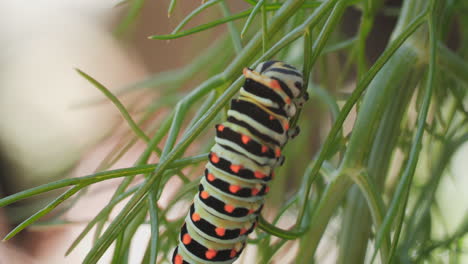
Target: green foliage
415, 64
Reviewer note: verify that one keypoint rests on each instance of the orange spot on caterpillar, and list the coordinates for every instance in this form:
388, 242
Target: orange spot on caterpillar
214, 158
264, 149
259, 175
277, 152
267, 189
271, 117
210, 177
288, 100
220, 231
235, 168
243, 231
233, 253
251, 211
178, 259
210, 253
234, 188
255, 191
186, 239
220, 128
286, 126
245, 139
245, 71
274, 84
204, 194
229, 208
196, 217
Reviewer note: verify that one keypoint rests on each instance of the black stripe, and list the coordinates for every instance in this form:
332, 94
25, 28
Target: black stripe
199, 250
218, 205
243, 173
257, 114
285, 71
223, 186
209, 229
284, 87
278, 111
267, 65
253, 130
243, 155
289, 66
263, 91
252, 146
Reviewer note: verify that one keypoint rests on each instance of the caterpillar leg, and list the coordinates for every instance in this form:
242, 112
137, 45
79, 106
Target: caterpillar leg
292, 133
301, 100
281, 160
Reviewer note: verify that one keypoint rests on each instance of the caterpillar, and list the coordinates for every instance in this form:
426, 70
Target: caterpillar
247, 149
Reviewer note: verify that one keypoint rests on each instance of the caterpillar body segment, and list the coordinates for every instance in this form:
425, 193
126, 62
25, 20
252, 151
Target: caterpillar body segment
248, 147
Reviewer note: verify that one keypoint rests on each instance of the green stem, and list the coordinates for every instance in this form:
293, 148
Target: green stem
401, 76
330, 200
264, 27
234, 33
453, 63
154, 218
336, 191
403, 188
377, 209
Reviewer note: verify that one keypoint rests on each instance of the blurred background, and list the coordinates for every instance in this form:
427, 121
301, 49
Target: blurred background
51, 126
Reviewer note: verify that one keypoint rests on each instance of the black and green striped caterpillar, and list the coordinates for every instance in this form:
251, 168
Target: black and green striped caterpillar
248, 147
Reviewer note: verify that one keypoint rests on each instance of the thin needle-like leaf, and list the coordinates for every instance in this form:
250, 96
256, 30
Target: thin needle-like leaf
133, 125
453, 63
232, 28
264, 29
307, 63
56, 202
340, 45
202, 27
174, 78
131, 16
97, 177
171, 8
251, 2
154, 223
251, 17
193, 14
102, 215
